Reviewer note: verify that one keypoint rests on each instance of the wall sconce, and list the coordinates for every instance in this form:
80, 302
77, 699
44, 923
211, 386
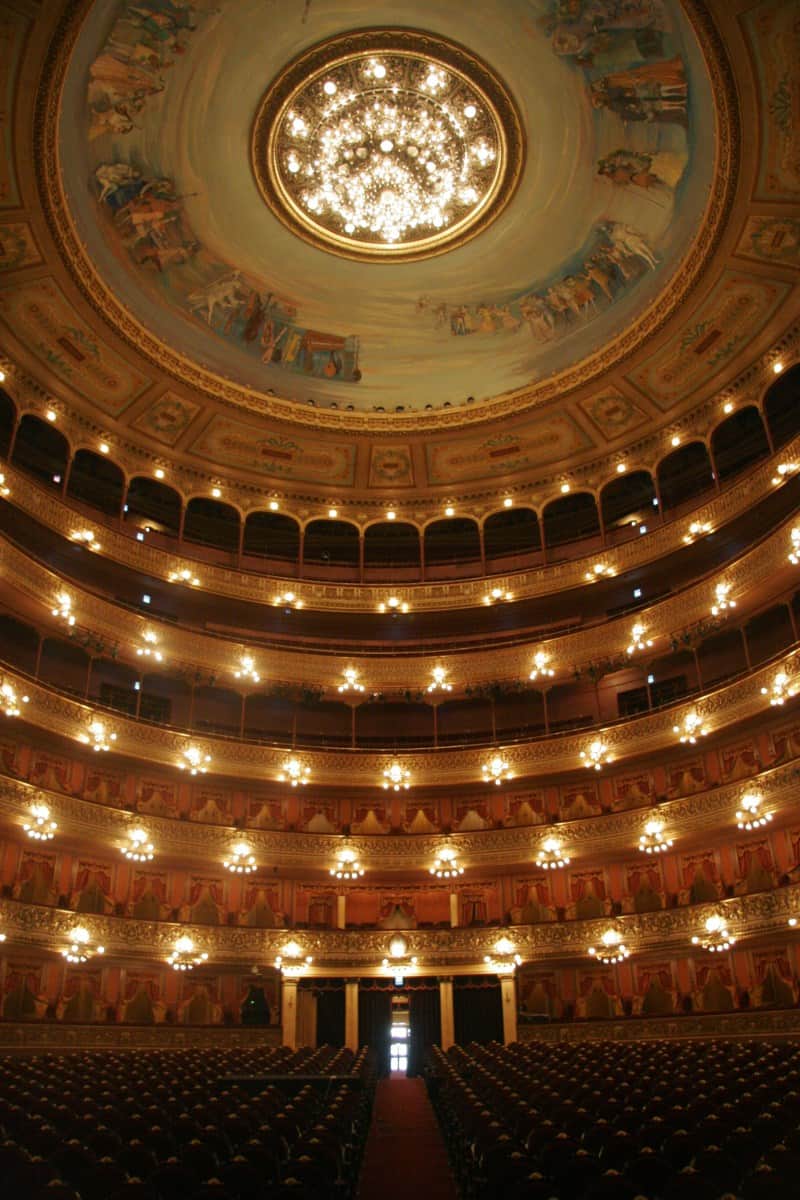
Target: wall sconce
63, 608
750, 816
551, 857
496, 770
351, 683
541, 667
241, 861
194, 761
394, 605
692, 728
612, 948
347, 865
85, 537
722, 603
150, 647
294, 772
247, 669
9, 702
98, 737
784, 688
395, 776
596, 756
653, 841
496, 595
184, 957
504, 960
39, 826
439, 682
717, 936
291, 963
139, 848
446, 864
183, 575
288, 600
599, 571
80, 948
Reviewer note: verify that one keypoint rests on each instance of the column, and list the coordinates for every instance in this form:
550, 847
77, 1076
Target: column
508, 995
448, 1035
341, 911
351, 1014
454, 910
289, 1012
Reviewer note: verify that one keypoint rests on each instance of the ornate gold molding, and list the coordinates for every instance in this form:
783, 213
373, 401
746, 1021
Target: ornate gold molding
753, 1023
347, 597
62, 1038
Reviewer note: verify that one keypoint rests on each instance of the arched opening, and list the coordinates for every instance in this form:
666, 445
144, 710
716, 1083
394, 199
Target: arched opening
450, 542
19, 644
41, 451
217, 710
510, 533
738, 442
391, 545
96, 481
683, 475
572, 518
769, 633
8, 419
272, 535
152, 503
782, 407
64, 665
329, 543
721, 656
212, 523
627, 503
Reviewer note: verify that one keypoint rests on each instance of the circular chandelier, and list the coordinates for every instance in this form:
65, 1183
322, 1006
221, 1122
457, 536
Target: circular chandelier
138, 848
496, 770
184, 956
241, 860
347, 865
612, 948
551, 856
387, 144
39, 826
446, 864
716, 937
80, 948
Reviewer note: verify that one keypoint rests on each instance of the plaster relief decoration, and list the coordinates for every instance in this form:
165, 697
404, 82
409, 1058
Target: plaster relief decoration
771, 239
46, 323
774, 35
391, 466
612, 413
167, 419
546, 440
13, 34
737, 309
18, 247
591, 150
231, 443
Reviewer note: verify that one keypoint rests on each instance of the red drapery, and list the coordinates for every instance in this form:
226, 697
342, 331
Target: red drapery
143, 882
706, 864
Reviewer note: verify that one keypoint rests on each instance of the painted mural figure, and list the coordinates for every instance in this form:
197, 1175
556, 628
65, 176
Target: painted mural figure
634, 168
654, 92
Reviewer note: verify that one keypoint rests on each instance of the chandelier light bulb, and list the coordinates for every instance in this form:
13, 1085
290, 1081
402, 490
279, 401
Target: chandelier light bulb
653, 841
294, 772
291, 962
289, 600
395, 776
39, 827
63, 608
639, 639
439, 682
97, 737
150, 647
612, 948
541, 668
496, 770
696, 530
347, 865
247, 669
722, 602
784, 687
394, 604
717, 936
351, 681
446, 864
183, 575
596, 756
599, 571
139, 848
241, 860
504, 960
750, 816
551, 857
498, 594
80, 948
5, 490
9, 701
784, 469
184, 956
692, 727
794, 553
86, 538
194, 761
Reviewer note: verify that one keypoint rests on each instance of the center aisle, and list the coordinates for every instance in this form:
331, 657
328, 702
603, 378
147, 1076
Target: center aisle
405, 1154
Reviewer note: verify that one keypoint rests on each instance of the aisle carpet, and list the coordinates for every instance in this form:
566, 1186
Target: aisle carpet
405, 1155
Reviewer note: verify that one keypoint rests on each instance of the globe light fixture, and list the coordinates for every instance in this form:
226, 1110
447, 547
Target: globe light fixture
446, 864
395, 776
596, 756
612, 949
139, 848
194, 760
294, 772
39, 826
184, 956
551, 857
496, 770
750, 815
717, 937
80, 948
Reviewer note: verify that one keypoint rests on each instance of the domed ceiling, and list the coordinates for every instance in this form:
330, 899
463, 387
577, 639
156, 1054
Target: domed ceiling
468, 245
617, 163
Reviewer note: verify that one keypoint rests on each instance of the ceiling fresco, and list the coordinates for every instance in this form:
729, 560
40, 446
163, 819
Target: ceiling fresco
621, 138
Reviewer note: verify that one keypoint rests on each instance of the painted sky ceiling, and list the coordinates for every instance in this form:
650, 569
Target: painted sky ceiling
157, 109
